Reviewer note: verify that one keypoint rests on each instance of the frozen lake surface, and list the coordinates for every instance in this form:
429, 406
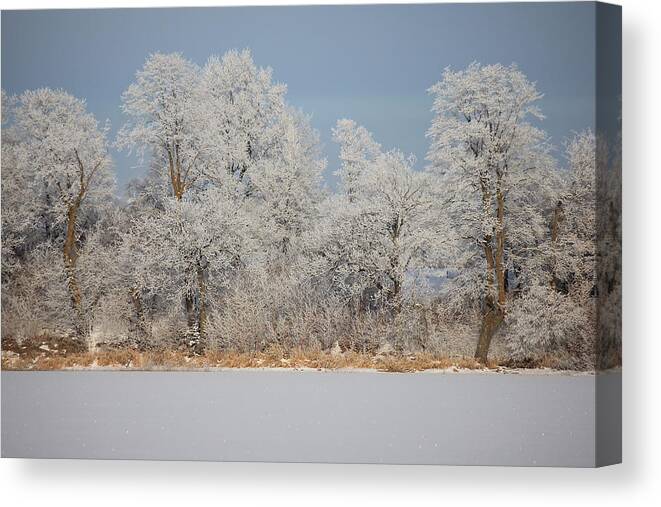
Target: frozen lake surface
309, 416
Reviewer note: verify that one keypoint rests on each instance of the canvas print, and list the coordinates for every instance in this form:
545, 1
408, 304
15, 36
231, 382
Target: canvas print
404, 216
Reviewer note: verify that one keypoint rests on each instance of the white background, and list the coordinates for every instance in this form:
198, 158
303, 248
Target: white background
636, 482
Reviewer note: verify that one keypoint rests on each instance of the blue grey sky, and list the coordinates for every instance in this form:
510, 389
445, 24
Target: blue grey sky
373, 64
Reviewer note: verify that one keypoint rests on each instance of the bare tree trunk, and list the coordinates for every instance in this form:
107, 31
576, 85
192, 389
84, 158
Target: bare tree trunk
500, 248
191, 318
140, 321
396, 295
196, 313
395, 267
493, 312
174, 171
489, 326
70, 255
202, 309
491, 321
555, 223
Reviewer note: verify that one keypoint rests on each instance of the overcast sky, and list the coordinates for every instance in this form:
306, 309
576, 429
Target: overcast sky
373, 64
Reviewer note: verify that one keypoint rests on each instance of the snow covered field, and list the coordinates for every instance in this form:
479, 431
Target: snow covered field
311, 416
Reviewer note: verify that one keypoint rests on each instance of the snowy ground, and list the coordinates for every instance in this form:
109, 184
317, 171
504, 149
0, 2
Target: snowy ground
291, 415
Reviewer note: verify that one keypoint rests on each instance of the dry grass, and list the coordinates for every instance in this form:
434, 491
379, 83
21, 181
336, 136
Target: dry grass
274, 357
431, 362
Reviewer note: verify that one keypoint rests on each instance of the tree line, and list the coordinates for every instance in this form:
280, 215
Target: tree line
232, 239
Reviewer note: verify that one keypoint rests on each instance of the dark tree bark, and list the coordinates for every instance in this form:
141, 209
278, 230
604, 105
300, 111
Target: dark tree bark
493, 311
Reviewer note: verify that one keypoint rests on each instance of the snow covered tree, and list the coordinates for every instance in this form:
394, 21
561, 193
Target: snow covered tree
162, 118
383, 227
357, 150
7, 109
13, 203
240, 112
187, 246
399, 200
61, 155
575, 229
164, 124
481, 144
556, 310
287, 185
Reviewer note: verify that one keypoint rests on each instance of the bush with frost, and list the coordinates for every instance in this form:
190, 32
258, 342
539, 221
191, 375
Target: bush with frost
542, 320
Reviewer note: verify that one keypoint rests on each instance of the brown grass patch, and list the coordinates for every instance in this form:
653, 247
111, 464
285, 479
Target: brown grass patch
423, 362
48, 353
129, 359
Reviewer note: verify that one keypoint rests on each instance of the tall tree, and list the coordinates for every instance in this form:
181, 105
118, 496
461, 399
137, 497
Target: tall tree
162, 118
62, 155
241, 114
164, 124
481, 143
